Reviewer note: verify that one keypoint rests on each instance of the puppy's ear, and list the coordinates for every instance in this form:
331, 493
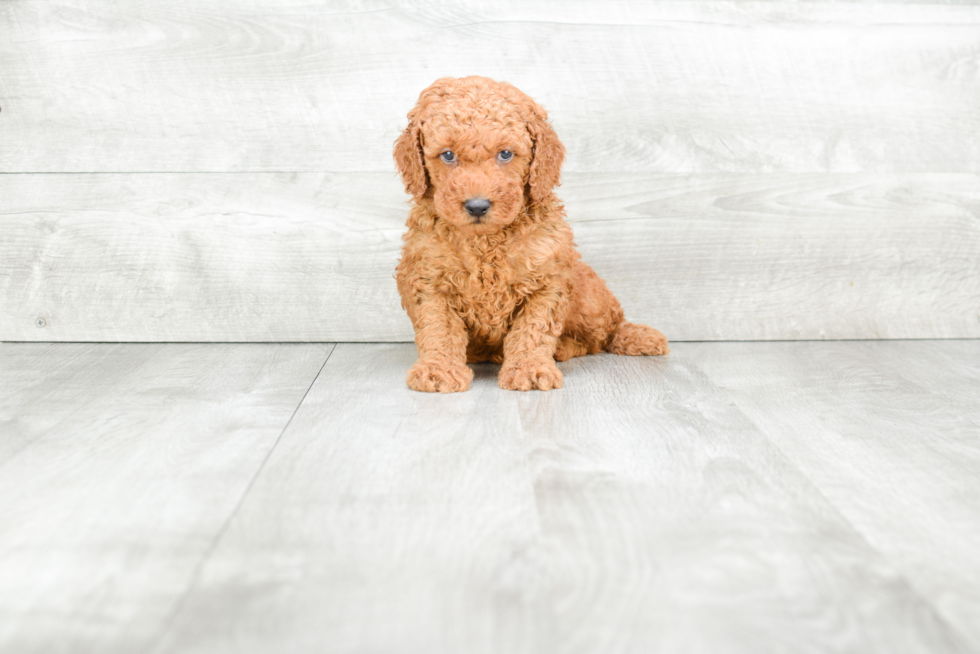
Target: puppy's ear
549, 153
410, 161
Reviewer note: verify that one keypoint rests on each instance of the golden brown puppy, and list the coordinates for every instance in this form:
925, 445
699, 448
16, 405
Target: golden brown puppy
489, 271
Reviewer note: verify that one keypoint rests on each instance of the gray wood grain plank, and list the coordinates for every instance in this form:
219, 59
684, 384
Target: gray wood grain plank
385, 520
950, 369
42, 384
674, 525
202, 257
635, 510
896, 457
129, 459
733, 257
310, 257
702, 86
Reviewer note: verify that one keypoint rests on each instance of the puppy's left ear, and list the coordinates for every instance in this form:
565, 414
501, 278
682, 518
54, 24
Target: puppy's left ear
410, 161
549, 153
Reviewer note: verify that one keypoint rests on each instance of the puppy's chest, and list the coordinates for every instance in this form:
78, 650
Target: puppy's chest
488, 288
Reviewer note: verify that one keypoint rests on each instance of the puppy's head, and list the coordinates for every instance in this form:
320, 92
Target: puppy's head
481, 150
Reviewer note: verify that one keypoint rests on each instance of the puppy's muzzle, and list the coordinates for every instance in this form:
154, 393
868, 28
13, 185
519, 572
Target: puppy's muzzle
477, 207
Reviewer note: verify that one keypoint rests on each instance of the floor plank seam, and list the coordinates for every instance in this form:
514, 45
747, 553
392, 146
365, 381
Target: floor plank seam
527, 438
169, 621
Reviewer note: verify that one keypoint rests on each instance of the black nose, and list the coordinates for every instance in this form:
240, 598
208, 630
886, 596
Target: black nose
476, 207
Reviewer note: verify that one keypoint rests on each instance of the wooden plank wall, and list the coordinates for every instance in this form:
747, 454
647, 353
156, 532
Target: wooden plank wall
199, 170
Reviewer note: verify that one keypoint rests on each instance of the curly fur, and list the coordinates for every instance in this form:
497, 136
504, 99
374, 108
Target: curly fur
506, 287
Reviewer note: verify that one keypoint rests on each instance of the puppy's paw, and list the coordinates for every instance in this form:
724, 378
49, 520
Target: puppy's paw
528, 374
637, 340
439, 377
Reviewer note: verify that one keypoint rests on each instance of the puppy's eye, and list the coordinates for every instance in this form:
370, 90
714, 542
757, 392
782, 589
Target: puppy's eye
448, 157
504, 156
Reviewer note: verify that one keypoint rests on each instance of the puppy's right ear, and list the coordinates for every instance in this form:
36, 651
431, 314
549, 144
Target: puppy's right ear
410, 161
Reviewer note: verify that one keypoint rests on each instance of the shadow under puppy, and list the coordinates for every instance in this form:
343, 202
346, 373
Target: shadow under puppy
489, 271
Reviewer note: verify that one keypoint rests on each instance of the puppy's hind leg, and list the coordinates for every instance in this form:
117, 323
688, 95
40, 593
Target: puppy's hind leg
568, 347
636, 340
595, 322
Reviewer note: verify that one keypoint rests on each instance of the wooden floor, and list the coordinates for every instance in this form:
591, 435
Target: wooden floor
730, 497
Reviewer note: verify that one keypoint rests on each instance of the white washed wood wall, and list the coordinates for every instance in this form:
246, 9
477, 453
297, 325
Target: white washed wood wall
206, 170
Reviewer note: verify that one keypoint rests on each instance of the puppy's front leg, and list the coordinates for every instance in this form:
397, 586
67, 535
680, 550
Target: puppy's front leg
529, 347
440, 336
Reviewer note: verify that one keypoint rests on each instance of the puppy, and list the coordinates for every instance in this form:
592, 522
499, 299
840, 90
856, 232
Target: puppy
489, 271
